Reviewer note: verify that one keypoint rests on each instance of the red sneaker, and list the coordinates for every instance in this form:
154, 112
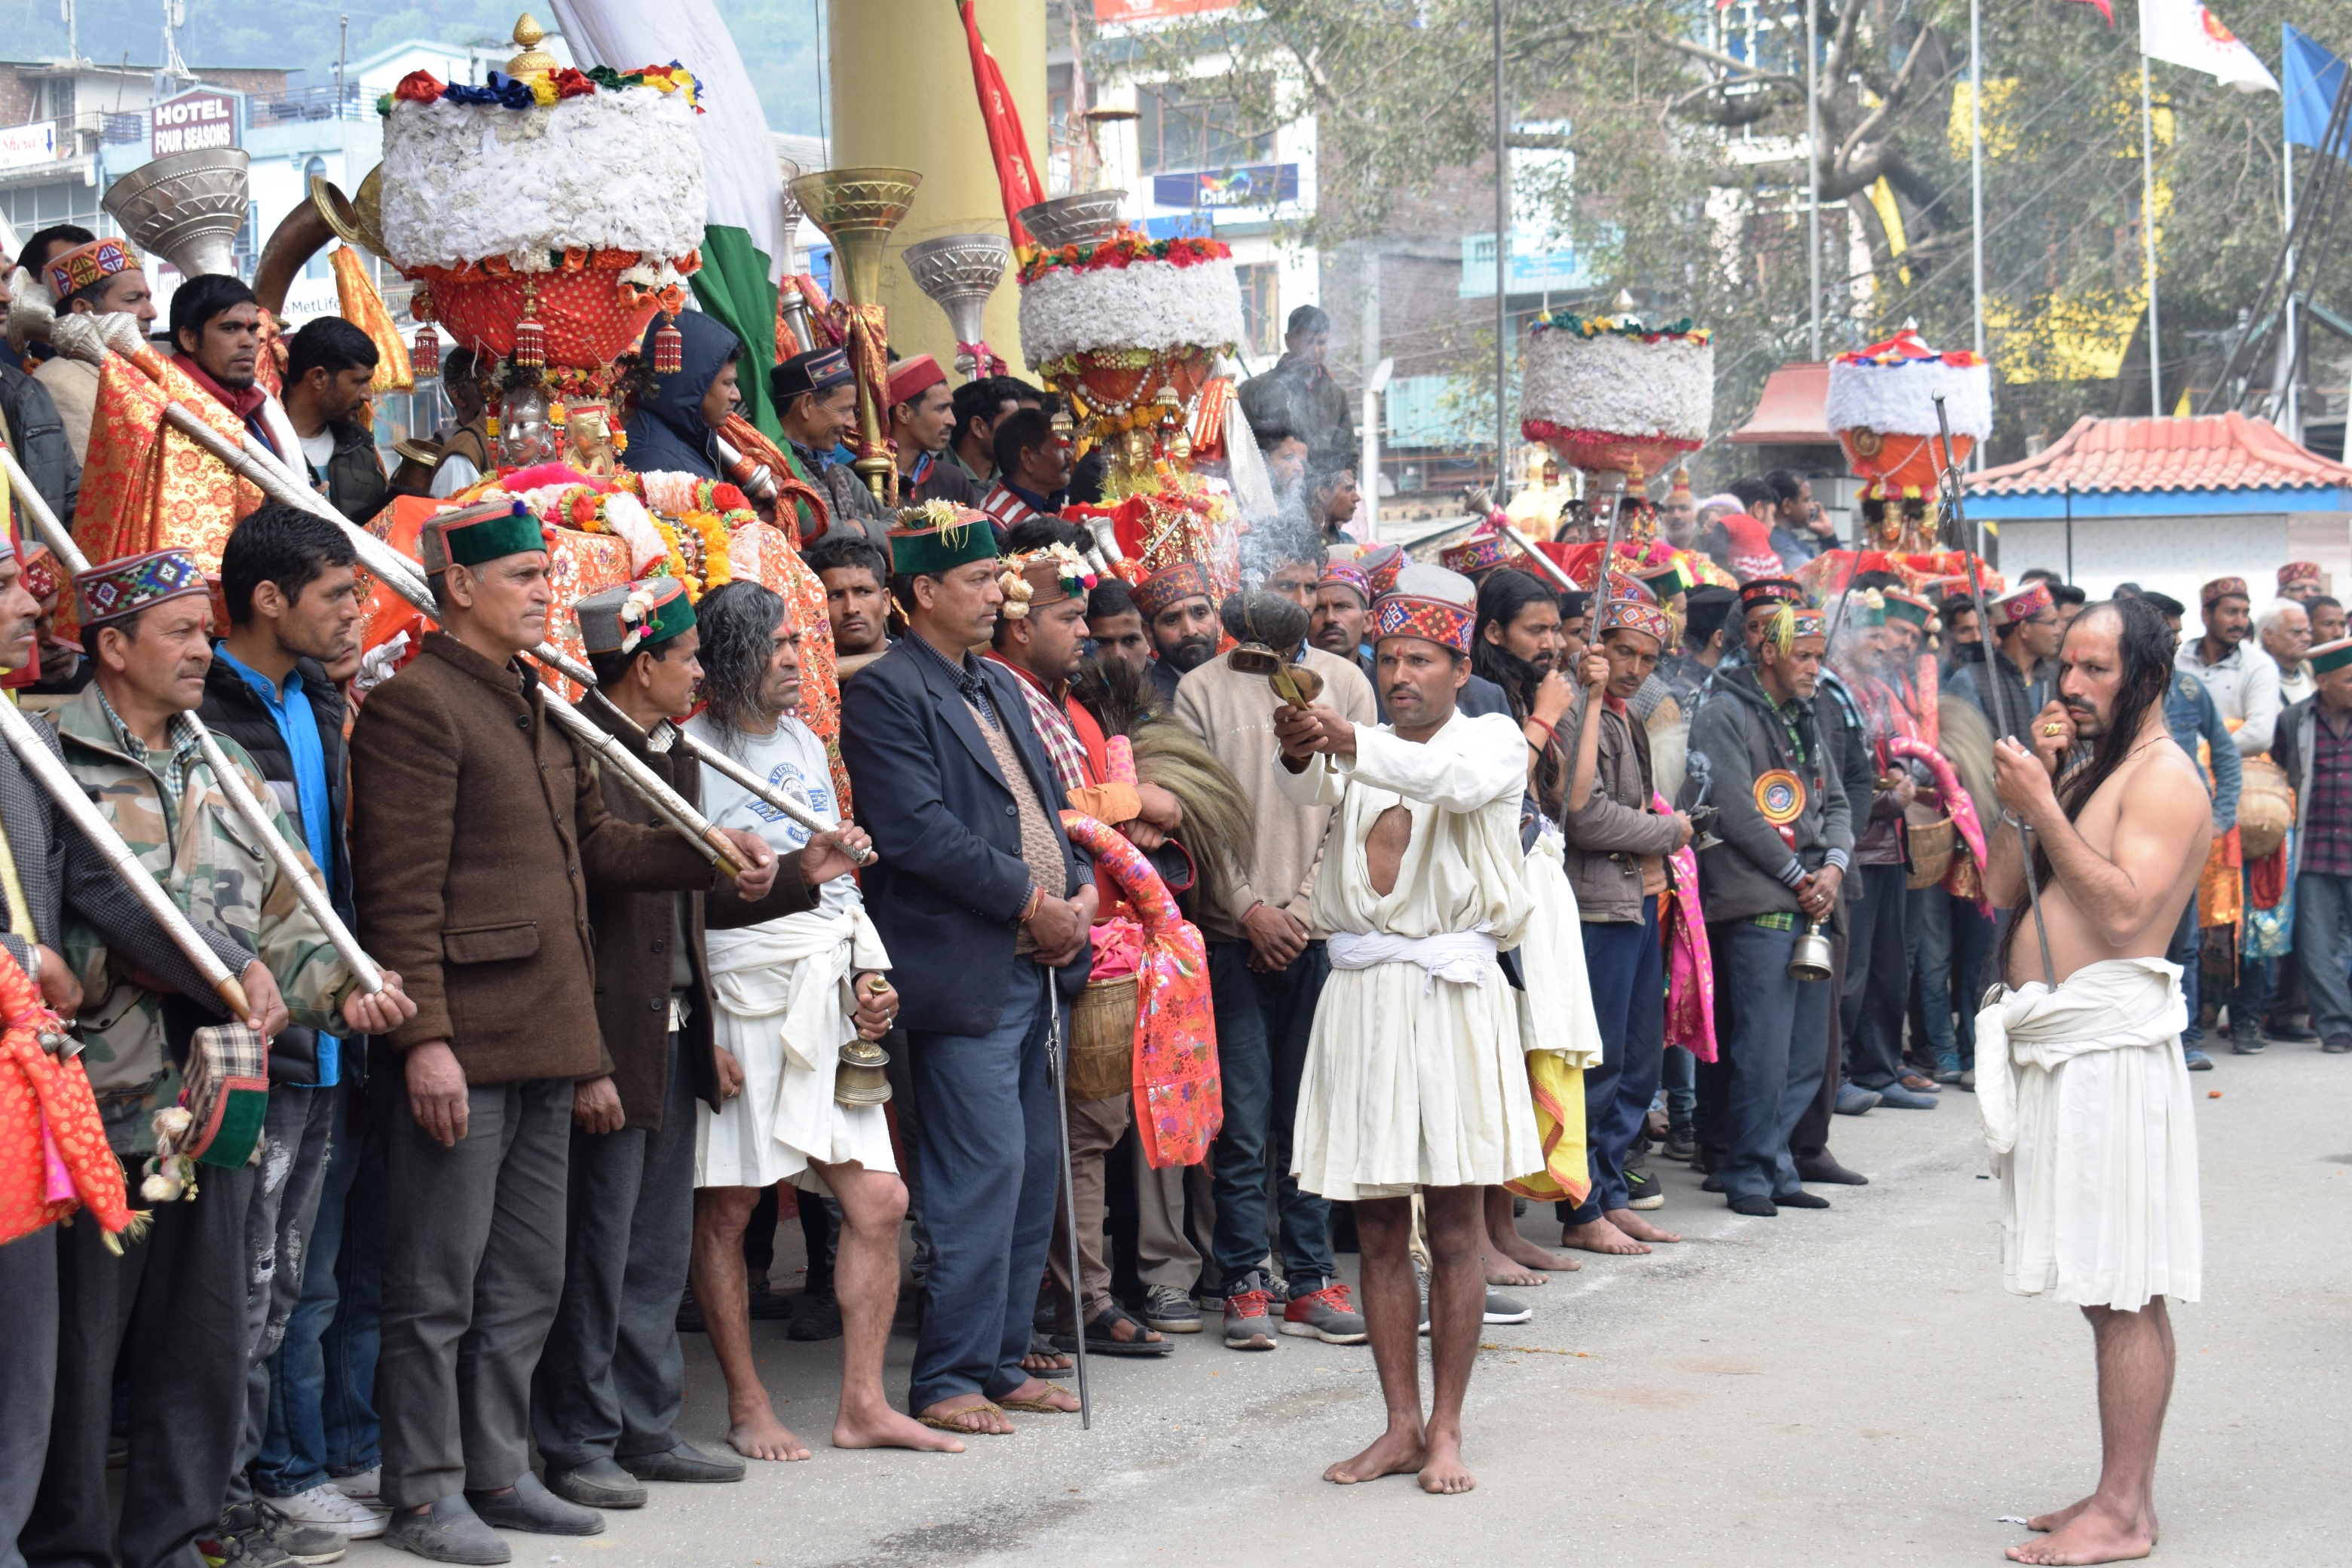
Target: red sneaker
1249, 1320
1327, 1315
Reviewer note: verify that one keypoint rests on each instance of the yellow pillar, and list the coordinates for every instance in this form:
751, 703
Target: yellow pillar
901, 93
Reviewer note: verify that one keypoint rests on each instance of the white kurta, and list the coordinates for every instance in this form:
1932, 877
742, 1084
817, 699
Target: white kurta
1415, 1075
2093, 1130
781, 992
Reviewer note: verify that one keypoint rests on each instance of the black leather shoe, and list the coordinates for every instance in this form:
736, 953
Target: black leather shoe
1755, 1208
449, 1531
1826, 1169
1712, 1184
599, 1483
682, 1462
1802, 1200
530, 1507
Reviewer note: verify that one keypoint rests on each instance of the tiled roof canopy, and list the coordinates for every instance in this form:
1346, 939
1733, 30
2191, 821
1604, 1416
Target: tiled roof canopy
2206, 452
1789, 411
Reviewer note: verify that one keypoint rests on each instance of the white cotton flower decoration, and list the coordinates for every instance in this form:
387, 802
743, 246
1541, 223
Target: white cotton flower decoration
159, 1189
1619, 385
173, 1121
608, 171
1143, 305
1899, 399
625, 515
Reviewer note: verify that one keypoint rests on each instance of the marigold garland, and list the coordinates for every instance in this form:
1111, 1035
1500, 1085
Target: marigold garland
1120, 250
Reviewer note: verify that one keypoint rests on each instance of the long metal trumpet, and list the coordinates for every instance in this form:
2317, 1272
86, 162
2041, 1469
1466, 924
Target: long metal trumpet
256, 819
51, 775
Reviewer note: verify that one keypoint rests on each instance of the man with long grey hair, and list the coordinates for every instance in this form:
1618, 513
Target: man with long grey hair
788, 994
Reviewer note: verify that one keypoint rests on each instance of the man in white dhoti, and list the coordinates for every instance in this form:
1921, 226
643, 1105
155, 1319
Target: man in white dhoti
1415, 1081
788, 994
2080, 1077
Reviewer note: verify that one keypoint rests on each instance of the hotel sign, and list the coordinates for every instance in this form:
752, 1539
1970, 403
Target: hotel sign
198, 119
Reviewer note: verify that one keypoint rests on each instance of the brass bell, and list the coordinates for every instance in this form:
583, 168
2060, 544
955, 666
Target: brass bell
1810, 959
858, 1080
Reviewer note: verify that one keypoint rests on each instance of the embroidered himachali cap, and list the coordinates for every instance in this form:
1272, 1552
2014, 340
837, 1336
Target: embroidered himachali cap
2223, 588
1805, 623
1043, 577
474, 534
40, 577
1347, 574
1381, 565
2300, 575
1632, 614
1770, 591
2028, 601
650, 611
910, 378
2330, 656
87, 264
1480, 554
1865, 607
819, 370
1430, 603
124, 587
940, 536
1751, 555
1903, 607
1173, 583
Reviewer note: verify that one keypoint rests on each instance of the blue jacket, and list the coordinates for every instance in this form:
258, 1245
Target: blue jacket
668, 434
948, 890
2190, 712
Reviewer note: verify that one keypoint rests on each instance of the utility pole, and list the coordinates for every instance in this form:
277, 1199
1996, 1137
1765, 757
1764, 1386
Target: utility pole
1502, 279
1813, 172
343, 49
2147, 239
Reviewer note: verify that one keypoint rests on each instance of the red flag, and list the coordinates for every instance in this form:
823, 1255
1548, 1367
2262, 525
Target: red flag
2106, 9
1016, 176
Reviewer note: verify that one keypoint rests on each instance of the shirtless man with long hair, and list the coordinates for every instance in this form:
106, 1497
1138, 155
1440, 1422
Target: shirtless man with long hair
2094, 1137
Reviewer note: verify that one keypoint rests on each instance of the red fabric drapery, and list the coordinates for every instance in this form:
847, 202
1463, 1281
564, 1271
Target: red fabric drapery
1016, 176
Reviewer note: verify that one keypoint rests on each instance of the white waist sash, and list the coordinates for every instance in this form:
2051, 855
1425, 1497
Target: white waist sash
1459, 958
2109, 1006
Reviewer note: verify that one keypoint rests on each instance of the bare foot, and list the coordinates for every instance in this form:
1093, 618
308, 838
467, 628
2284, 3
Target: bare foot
971, 1414
1443, 1471
1501, 1271
759, 1435
1600, 1236
2096, 1534
2062, 1518
1639, 1229
1045, 1361
1038, 1392
883, 1427
1399, 1452
1526, 1254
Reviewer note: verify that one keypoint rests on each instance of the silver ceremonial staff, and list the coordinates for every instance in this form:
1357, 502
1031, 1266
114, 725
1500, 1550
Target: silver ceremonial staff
1057, 1063
1953, 486
256, 820
52, 776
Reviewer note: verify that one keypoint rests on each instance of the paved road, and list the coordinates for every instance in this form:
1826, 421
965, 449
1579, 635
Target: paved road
1851, 1387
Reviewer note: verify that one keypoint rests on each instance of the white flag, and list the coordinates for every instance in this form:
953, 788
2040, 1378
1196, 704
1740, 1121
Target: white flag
2187, 33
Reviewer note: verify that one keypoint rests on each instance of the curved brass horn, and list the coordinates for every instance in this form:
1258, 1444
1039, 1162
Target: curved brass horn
300, 235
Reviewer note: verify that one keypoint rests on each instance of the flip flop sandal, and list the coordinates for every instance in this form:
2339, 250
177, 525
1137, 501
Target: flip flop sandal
1039, 1345
1100, 1341
954, 1422
1038, 1407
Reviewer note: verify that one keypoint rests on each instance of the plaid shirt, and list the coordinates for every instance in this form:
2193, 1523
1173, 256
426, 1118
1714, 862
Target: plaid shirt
184, 753
2327, 819
1054, 732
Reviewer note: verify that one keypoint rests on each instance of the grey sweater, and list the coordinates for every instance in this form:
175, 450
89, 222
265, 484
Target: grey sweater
1753, 871
1607, 840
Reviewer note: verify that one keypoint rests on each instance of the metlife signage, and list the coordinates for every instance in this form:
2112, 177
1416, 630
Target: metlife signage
198, 119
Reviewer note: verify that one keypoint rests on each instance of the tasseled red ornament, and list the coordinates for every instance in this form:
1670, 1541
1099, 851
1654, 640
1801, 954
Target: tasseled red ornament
425, 358
669, 348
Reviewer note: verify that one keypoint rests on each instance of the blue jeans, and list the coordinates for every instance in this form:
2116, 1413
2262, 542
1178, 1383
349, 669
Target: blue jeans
1929, 938
293, 1456
2322, 911
1779, 1037
1678, 1075
2185, 944
348, 1349
1263, 1024
991, 1162
1629, 998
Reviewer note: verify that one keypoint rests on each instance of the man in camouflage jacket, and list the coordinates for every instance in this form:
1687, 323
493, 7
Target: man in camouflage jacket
167, 1314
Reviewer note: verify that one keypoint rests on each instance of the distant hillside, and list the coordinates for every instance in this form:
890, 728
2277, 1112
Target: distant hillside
777, 37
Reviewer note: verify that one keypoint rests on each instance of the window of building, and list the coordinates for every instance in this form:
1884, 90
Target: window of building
1185, 125
29, 207
1261, 309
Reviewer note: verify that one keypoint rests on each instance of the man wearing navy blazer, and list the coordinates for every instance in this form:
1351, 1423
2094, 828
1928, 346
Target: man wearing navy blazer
984, 907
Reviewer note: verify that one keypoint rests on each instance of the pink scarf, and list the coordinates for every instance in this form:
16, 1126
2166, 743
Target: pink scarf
1690, 960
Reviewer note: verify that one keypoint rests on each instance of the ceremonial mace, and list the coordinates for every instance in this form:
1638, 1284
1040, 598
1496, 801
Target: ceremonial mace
232, 783
858, 208
1969, 541
958, 272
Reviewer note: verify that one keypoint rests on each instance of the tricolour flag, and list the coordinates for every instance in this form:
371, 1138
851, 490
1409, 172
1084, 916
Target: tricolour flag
2187, 33
742, 238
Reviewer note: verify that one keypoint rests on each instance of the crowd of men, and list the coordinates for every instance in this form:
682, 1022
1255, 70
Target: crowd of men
489, 1196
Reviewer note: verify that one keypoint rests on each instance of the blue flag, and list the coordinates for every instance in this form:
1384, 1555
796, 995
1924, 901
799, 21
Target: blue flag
2314, 79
